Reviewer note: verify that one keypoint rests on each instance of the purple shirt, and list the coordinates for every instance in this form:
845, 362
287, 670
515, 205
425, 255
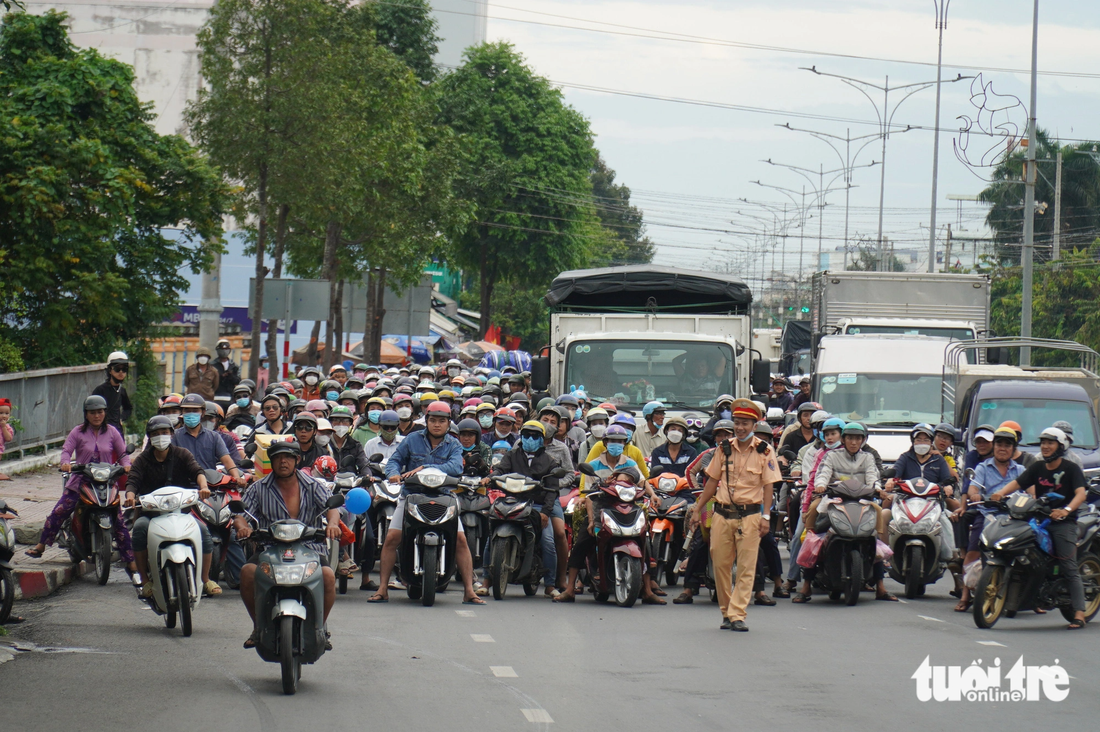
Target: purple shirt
92, 446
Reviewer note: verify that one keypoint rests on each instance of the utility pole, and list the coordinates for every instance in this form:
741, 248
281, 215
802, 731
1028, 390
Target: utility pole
946, 254
882, 182
210, 306
1028, 253
1057, 209
941, 24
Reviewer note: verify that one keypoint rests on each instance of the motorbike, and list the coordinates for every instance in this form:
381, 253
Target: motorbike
87, 534
669, 520
1021, 571
290, 595
343, 482
384, 495
618, 564
473, 512
7, 551
515, 547
846, 562
175, 554
218, 517
915, 535
429, 536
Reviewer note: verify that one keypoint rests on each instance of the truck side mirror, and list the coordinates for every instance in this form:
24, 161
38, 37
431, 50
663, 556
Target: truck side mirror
540, 373
993, 355
761, 376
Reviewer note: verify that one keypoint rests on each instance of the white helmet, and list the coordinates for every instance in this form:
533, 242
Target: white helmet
1053, 433
118, 357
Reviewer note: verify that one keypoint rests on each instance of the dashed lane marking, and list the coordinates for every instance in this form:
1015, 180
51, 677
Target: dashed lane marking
465, 613
504, 672
991, 643
482, 638
928, 617
537, 715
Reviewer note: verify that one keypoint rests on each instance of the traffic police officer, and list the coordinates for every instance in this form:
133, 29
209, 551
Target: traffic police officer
740, 478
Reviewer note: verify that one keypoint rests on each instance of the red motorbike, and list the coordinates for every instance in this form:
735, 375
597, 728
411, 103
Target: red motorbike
218, 517
88, 533
621, 527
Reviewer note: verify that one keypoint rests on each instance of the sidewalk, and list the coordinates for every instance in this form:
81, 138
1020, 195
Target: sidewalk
33, 495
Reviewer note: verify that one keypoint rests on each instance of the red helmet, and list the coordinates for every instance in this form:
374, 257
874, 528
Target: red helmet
325, 466
439, 408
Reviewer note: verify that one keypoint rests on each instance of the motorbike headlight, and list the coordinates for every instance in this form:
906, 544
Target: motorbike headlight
514, 485
666, 484
207, 513
391, 489
626, 493
288, 533
225, 514
611, 525
432, 477
164, 503
571, 506
291, 574
100, 475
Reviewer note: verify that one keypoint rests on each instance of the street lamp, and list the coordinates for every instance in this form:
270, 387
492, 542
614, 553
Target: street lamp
1028, 253
941, 24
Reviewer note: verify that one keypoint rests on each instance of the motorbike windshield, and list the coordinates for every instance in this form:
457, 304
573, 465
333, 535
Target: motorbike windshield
885, 400
629, 373
1035, 415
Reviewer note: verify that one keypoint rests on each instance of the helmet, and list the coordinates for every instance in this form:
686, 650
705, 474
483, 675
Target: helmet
854, 428
616, 432
624, 419
447, 394
569, 400
469, 425
401, 399
158, 422
326, 467
323, 424
922, 429
506, 414
1014, 426
544, 402
947, 429
118, 357
581, 395
630, 472
202, 351
428, 396
723, 399
193, 400
651, 407
305, 418
348, 394
437, 408
550, 409
389, 418
170, 401
337, 367
565, 414
249, 383
213, 409
763, 429
317, 404
596, 413
284, 447
242, 389
819, 417
341, 412
833, 423
808, 407
1005, 433
331, 385
94, 402
1053, 433
723, 424
805, 380
609, 407
533, 426
293, 404
675, 422
1065, 427
269, 398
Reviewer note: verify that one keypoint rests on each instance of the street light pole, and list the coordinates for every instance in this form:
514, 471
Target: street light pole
1028, 253
941, 24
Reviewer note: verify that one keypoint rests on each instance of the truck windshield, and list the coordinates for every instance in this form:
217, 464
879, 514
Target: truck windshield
894, 400
1035, 415
955, 334
633, 372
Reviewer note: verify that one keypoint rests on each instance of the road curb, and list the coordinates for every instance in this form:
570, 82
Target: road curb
35, 583
26, 465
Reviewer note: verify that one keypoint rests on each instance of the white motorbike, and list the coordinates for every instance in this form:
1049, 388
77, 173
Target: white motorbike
175, 553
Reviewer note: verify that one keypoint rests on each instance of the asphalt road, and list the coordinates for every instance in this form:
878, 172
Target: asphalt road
100, 661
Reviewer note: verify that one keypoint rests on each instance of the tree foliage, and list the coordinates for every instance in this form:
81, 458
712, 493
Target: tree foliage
86, 187
624, 223
408, 30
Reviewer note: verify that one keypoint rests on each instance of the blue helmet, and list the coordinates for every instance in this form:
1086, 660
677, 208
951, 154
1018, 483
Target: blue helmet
616, 431
389, 418
501, 445
623, 418
834, 423
651, 407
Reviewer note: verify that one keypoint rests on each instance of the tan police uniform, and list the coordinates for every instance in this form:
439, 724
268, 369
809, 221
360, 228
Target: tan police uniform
735, 528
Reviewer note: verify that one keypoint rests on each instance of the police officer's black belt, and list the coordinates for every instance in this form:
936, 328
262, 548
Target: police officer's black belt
734, 511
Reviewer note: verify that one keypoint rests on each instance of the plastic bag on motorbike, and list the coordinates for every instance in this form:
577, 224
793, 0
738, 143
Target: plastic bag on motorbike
1042, 535
883, 552
811, 548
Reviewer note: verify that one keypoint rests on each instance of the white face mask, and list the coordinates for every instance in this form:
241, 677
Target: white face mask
674, 436
598, 430
321, 440
160, 442
173, 418
311, 380
404, 412
203, 360
341, 429
922, 449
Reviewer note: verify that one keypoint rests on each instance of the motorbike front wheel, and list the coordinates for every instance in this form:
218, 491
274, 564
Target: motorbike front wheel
103, 555
914, 575
855, 577
291, 665
628, 579
500, 571
430, 564
989, 595
183, 597
7, 594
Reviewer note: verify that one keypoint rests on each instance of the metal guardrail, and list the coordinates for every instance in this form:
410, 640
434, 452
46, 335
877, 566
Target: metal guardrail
49, 402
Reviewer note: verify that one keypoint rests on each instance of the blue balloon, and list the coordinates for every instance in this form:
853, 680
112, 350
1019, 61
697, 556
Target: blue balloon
357, 501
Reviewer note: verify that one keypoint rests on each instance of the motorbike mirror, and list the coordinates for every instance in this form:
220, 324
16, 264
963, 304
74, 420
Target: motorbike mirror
587, 470
250, 449
336, 500
969, 473
236, 506
348, 461
131, 448
789, 455
247, 464
889, 473
559, 473
376, 457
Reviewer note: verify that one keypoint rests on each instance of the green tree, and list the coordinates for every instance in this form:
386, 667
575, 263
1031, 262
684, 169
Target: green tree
624, 223
1080, 217
408, 30
527, 158
86, 188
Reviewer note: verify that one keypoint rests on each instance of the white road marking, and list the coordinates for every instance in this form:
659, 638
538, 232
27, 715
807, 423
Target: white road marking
991, 643
481, 638
504, 672
903, 602
537, 715
465, 613
926, 617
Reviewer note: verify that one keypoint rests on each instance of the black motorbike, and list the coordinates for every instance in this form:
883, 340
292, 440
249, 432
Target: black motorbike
515, 547
846, 562
473, 511
429, 538
1021, 571
7, 551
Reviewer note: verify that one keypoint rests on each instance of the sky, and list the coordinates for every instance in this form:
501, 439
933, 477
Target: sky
690, 164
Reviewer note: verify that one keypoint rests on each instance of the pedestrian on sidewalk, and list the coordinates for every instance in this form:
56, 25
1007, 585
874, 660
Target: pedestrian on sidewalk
7, 434
94, 441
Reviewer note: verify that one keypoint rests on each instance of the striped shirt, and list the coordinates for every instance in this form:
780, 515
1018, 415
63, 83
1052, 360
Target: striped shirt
264, 501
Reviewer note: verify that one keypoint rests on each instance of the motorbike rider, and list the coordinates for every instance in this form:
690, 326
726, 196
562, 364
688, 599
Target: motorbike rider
201, 377
650, 436
942, 443
212, 420
388, 437
625, 421
271, 408
170, 408
243, 411
403, 405
476, 456
983, 449
93, 441
769, 562
434, 447
1055, 474
306, 433
597, 420
779, 396
484, 413
503, 421
229, 373
311, 380
610, 454
119, 407
922, 461
674, 454
207, 446
803, 395
286, 493
723, 409
1072, 454
158, 465
368, 427
1021, 456
338, 373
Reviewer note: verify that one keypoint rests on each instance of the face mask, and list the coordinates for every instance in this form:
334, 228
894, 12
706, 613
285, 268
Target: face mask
551, 429
578, 414
817, 434
243, 403
332, 396
223, 353
693, 435
629, 434
404, 412
192, 419
468, 449
598, 431
746, 438
501, 435
725, 414
485, 420
388, 435
322, 440
208, 425
311, 380
341, 429
832, 445
615, 449
675, 436
505, 388
453, 371
496, 460
922, 449
203, 360
530, 444
173, 418
160, 442
374, 416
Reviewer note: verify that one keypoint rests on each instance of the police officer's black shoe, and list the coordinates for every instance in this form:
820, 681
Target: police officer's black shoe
739, 626
725, 624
